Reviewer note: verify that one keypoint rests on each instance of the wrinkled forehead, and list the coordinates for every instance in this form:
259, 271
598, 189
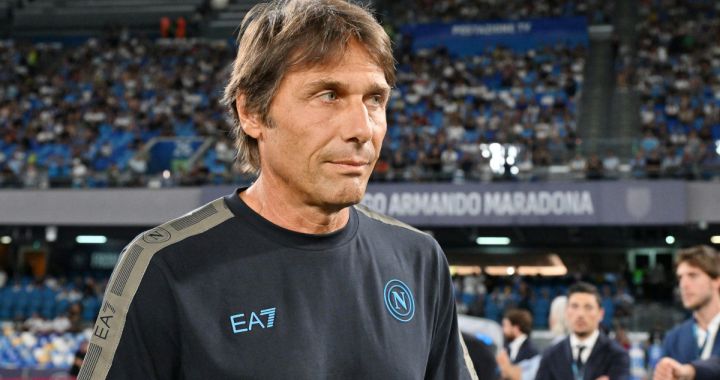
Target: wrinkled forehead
325, 59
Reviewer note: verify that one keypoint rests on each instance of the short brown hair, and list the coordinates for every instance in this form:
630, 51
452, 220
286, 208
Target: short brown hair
520, 318
278, 37
587, 288
702, 257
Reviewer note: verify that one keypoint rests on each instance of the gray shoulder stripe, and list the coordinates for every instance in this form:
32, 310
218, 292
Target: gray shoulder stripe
385, 219
125, 269
91, 359
194, 218
468, 362
128, 274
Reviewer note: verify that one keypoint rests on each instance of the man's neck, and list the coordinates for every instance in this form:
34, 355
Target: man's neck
519, 339
705, 314
582, 338
279, 206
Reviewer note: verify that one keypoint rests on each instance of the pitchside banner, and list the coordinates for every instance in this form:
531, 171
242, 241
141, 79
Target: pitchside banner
552, 203
472, 38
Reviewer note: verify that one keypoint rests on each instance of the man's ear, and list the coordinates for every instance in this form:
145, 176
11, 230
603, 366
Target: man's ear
249, 121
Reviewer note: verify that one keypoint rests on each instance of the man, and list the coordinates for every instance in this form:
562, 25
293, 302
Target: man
520, 358
517, 326
586, 354
287, 278
698, 274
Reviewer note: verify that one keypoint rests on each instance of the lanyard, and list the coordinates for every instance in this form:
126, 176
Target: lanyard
578, 373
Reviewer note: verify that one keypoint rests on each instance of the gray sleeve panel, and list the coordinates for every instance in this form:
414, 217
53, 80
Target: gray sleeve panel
449, 358
127, 276
466, 357
385, 219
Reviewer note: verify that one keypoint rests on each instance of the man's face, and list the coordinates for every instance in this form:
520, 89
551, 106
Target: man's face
328, 127
509, 331
583, 314
697, 289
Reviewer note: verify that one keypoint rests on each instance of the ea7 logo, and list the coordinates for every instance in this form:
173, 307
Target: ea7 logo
241, 324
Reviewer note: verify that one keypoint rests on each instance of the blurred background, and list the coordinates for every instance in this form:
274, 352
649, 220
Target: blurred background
540, 142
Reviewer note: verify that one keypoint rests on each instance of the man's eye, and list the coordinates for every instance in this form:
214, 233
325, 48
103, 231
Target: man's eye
330, 96
376, 100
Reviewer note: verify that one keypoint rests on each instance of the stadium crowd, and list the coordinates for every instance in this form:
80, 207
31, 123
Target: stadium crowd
491, 296
676, 70
82, 116
447, 111
79, 116
45, 321
72, 125
424, 11
84, 119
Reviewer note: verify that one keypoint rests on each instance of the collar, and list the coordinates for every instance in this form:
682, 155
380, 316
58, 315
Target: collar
707, 337
713, 324
515, 345
588, 342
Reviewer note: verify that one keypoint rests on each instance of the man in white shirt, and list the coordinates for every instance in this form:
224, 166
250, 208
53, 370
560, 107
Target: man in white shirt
520, 359
586, 354
517, 326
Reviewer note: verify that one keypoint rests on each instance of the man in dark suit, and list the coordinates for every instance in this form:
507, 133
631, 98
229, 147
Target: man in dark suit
586, 354
698, 274
517, 326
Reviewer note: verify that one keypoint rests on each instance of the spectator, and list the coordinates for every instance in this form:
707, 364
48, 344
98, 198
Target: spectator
594, 168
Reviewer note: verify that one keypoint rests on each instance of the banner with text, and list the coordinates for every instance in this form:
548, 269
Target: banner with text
554, 203
472, 38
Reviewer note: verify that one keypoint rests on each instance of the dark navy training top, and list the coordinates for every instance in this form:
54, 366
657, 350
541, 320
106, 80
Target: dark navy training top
222, 293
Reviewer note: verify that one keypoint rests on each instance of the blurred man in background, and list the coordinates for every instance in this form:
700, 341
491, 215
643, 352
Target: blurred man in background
520, 359
517, 326
698, 274
586, 354
693, 346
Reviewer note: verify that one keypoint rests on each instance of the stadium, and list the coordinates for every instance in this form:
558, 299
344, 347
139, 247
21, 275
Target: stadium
540, 143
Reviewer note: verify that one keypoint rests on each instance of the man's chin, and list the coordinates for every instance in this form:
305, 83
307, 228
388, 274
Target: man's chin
583, 333
344, 196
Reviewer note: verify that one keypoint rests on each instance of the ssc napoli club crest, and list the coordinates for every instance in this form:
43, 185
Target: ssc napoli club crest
399, 300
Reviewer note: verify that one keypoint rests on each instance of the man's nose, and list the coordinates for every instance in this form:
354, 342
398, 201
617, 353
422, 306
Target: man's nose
358, 125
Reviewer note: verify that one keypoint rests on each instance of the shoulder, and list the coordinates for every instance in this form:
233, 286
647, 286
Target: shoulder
529, 345
555, 350
383, 224
165, 237
388, 221
611, 345
680, 330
